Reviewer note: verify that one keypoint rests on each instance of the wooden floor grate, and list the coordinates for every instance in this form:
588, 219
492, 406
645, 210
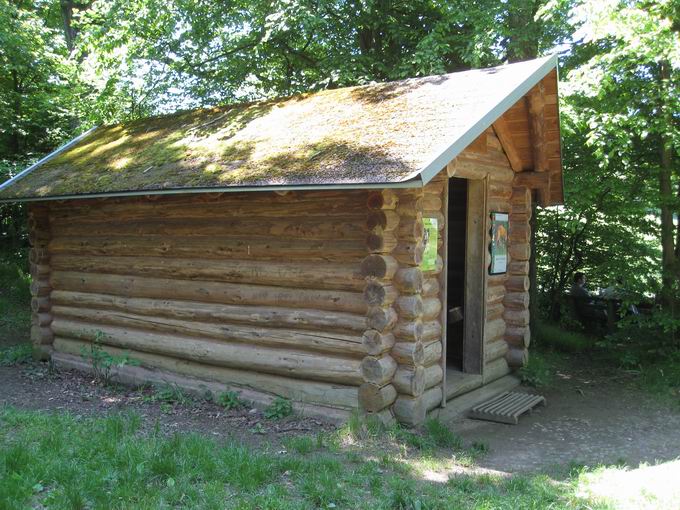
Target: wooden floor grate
506, 407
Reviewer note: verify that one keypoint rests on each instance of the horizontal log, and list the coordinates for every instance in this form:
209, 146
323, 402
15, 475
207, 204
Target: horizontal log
495, 294
495, 350
286, 274
209, 292
516, 357
40, 288
518, 336
432, 352
533, 180
409, 280
301, 390
519, 232
384, 199
519, 251
410, 380
381, 319
373, 398
433, 375
495, 370
408, 353
274, 317
411, 229
379, 293
376, 343
408, 330
493, 330
41, 335
412, 410
379, 222
409, 410
319, 341
381, 243
432, 202
432, 307
410, 205
409, 254
41, 319
500, 190
409, 306
517, 284
40, 304
227, 226
299, 364
378, 369
379, 266
516, 317
38, 255
432, 330
516, 300
213, 248
467, 167
519, 267
430, 287
230, 205
494, 311
39, 271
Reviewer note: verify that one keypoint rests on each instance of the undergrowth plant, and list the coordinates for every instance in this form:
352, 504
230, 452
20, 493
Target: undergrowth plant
230, 400
16, 355
279, 408
103, 362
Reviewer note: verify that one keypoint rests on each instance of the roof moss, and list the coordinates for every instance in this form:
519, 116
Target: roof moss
372, 134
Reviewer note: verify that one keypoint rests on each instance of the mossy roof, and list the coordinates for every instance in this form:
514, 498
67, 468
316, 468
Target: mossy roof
375, 134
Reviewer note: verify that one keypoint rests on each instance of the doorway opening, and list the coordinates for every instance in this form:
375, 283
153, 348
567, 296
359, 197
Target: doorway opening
455, 284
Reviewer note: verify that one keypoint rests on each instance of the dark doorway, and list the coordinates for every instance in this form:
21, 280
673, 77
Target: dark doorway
455, 287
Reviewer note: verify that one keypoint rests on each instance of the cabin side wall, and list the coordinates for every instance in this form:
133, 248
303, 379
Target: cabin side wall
257, 291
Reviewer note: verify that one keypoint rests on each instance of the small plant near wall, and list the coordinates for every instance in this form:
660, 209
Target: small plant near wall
230, 400
280, 408
103, 362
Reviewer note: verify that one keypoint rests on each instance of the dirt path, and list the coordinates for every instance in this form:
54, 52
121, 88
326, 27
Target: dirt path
34, 386
594, 416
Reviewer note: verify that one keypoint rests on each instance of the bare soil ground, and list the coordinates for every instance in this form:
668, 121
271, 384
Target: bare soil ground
594, 416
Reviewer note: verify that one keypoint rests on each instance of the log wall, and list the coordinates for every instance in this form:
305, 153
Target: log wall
262, 290
316, 296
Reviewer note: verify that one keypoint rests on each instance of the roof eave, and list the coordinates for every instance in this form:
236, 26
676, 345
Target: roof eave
438, 163
415, 182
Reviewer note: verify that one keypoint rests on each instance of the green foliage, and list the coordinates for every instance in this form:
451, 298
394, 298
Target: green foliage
103, 362
441, 435
279, 408
537, 372
553, 336
230, 400
16, 355
171, 393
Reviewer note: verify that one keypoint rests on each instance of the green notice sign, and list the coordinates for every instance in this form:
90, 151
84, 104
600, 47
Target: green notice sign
429, 262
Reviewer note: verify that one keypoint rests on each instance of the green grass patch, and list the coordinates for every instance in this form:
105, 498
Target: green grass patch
16, 355
539, 372
60, 461
551, 336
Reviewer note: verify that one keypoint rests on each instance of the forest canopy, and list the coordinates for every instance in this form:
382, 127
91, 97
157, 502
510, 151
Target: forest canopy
66, 66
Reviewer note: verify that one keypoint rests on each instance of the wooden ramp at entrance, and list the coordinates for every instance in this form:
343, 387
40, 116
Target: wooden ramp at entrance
506, 407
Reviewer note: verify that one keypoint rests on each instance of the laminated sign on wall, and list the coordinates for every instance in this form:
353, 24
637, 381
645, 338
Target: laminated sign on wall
499, 243
430, 240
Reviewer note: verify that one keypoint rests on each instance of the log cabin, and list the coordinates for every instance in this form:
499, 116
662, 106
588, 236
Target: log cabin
333, 248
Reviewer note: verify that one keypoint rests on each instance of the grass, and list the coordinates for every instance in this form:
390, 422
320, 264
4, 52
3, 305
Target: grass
61, 461
16, 355
15, 299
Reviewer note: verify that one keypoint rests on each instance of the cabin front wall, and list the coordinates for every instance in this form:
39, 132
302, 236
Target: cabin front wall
258, 291
319, 297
